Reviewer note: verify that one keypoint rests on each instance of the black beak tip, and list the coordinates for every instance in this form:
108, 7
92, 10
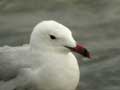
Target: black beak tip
86, 53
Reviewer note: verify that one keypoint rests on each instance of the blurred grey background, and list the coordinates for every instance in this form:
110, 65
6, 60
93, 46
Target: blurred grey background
94, 23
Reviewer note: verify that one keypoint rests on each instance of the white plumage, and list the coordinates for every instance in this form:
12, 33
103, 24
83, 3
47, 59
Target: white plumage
44, 64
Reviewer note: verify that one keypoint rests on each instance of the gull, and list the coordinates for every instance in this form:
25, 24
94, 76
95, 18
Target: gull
46, 63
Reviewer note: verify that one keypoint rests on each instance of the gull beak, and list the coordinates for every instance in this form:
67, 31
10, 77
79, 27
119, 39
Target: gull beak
81, 50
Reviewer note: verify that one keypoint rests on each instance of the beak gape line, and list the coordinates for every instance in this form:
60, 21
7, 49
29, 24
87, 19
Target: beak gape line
81, 50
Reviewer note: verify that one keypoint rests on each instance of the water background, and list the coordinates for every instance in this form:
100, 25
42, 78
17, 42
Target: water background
94, 23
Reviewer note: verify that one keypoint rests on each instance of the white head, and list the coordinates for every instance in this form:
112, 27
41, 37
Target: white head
53, 36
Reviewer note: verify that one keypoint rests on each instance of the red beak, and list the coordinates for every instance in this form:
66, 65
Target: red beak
81, 50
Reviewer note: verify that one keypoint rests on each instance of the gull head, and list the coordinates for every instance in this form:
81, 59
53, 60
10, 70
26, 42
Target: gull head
54, 37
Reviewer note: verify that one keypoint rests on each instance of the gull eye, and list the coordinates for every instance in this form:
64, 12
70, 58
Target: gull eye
52, 37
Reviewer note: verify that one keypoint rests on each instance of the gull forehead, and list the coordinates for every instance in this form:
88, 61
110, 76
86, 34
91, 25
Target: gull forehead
52, 26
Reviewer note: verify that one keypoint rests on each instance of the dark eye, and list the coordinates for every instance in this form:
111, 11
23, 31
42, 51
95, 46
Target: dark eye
52, 37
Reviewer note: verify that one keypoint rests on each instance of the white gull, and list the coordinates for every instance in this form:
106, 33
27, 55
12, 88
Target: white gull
46, 63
